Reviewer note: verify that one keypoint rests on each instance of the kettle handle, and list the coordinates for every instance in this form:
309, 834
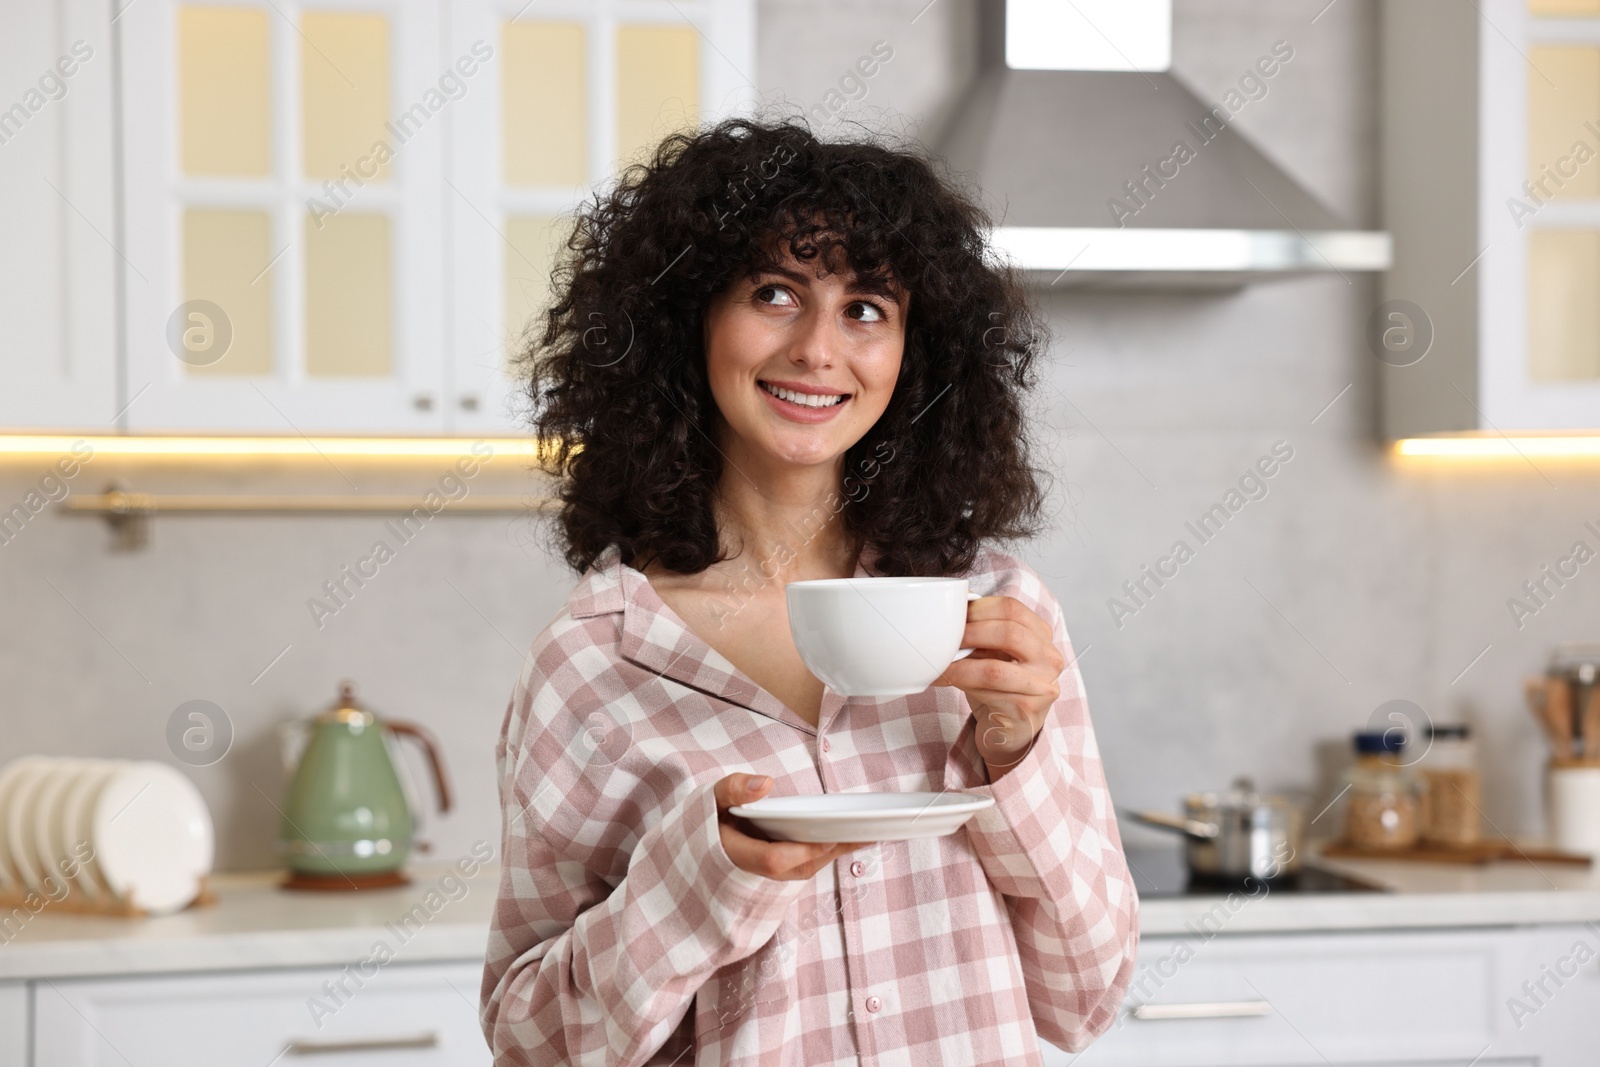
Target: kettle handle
431, 747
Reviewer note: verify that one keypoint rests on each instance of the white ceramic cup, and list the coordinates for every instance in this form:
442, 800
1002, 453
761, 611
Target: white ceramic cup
879, 637
1574, 805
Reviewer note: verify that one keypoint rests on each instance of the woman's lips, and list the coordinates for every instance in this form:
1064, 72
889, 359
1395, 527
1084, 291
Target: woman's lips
801, 412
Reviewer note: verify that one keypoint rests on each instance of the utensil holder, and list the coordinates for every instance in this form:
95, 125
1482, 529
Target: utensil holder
1572, 801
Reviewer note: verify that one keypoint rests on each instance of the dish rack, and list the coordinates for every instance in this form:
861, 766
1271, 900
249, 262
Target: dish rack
101, 837
77, 902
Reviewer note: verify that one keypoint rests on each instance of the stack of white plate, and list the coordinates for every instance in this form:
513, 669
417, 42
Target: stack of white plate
117, 831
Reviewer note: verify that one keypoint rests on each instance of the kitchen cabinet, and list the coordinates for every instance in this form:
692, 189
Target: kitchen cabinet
342, 219
287, 237
13, 1024
58, 227
1491, 189
586, 88
422, 1014
1396, 998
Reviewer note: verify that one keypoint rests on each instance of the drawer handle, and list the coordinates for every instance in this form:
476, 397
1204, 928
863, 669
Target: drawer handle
313, 1047
1222, 1009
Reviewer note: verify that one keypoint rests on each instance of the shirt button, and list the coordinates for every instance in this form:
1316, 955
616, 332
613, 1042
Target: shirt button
858, 868
873, 1004
824, 744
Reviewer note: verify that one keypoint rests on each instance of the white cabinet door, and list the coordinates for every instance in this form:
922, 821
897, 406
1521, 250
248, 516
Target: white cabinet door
568, 88
13, 1024
1267, 1001
402, 1015
282, 164
57, 224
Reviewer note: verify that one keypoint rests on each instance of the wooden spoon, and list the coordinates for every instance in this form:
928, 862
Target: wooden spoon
1550, 699
1591, 723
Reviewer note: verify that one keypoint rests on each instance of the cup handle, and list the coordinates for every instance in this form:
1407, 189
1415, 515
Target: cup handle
965, 652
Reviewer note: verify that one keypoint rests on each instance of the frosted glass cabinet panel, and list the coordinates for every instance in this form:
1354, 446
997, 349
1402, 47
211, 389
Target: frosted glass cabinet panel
531, 245
544, 103
1564, 305
347, 296
225, 90
1563, 8
344, 91
657, 86
225, 254
1563, 94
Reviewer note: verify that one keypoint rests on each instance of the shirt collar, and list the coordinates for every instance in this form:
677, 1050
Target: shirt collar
654, 637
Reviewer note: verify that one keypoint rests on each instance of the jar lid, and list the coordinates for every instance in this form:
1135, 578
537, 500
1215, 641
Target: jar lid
1453, 731
1371, 742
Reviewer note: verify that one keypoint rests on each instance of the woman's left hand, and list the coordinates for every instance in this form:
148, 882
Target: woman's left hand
1010, 681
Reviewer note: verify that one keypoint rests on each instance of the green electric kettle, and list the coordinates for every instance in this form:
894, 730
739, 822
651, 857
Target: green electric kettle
346, 821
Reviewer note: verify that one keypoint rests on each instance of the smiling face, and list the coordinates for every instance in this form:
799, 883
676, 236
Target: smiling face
801, 364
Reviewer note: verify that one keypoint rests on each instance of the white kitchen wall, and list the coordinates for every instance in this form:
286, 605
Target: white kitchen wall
1352, 583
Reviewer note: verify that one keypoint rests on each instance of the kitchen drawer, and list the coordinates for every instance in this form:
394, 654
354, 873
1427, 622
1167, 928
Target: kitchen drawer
406, 1016
1307, 999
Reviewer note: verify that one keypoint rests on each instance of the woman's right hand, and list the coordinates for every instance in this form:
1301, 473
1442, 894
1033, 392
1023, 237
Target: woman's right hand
786, 861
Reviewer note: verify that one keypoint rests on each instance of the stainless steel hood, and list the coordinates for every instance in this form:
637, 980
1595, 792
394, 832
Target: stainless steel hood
1084, 173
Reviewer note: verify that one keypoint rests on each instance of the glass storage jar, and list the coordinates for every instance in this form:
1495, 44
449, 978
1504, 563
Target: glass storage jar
1382, 806
1452, 788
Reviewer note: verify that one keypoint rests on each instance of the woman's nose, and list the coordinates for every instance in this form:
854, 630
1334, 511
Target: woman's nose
814, 341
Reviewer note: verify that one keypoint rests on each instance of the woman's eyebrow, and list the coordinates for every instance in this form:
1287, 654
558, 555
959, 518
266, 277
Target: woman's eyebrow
878, 287
773, 268
873, 287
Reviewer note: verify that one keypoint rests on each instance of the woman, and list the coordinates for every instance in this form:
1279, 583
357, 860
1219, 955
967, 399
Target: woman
774, 359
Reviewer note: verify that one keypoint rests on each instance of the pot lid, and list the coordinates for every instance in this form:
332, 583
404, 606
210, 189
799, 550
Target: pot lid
1241, 795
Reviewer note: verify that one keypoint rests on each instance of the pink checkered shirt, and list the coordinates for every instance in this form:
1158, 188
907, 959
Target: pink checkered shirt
624, 935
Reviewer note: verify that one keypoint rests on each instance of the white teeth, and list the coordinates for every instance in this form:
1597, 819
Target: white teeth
808, 400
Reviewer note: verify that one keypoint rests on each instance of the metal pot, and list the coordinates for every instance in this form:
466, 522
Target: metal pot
1236, 834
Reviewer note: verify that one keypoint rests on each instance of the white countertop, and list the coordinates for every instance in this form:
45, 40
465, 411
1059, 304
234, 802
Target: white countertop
255, 924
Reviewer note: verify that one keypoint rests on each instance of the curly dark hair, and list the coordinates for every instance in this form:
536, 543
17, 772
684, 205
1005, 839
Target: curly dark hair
617, 377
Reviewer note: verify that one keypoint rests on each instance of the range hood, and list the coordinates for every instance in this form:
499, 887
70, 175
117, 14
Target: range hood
1083, 170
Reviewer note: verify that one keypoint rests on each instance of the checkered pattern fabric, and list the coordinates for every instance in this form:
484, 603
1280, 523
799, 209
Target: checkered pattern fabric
624, 935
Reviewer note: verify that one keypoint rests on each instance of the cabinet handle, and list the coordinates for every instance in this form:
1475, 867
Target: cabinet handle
313, 1047
1223, 1009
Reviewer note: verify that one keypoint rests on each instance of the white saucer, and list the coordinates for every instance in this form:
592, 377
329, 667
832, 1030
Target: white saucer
866, 817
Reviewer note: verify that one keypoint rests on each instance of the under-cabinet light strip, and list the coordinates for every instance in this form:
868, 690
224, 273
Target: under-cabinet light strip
1497, 447
310, 447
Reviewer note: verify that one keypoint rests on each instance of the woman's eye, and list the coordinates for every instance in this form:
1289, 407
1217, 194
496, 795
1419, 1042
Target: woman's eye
775, 295
864, 312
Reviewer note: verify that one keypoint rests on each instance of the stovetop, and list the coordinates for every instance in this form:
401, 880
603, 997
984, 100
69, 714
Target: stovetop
1161, 872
